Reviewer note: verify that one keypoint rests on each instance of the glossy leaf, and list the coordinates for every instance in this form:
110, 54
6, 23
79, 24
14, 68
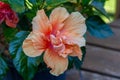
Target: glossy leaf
99, 6
25, 65
17, 5
3, 68
97, 27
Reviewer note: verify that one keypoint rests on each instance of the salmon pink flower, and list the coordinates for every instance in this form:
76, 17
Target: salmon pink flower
58, 37
8, 15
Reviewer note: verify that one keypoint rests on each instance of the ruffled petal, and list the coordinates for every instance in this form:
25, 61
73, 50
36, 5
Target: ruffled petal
57, 63
68, 50
57, 17
74, 29
74, 39
39, 39
41, 22
75, 24
33, 45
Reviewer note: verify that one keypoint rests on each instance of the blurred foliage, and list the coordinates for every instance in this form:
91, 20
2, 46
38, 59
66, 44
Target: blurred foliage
3, 67
110, 7
26, 9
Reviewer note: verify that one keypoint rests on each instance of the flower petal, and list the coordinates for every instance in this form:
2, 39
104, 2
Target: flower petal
57, 17
33, 45
57, 63
39, 39
41, 22
75, 24
73, 39
74, 29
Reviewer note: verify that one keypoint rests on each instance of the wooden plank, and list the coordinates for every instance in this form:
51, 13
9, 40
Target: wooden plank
102, 60
73, 74
115, 23
112, 42
94, 76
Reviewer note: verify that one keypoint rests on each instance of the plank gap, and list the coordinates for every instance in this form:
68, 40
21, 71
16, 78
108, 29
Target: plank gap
103, 46
100, 73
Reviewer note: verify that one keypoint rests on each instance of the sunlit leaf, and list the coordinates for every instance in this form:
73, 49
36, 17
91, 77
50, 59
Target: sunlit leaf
99, 6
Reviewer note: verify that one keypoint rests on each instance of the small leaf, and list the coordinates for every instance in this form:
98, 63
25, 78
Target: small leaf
17, 5
3, 68
9, 33
53, 3
85, 2
97, 27
25, 65
99, 6
70, 6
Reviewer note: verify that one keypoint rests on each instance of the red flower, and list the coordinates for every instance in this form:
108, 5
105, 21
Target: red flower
8, 15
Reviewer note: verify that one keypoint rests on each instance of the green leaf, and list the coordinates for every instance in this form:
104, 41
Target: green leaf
99, 6
24, 23
9, 33
70, 6
85, 2
25, 65
3, 68
54, 3
17, 5
97, 27
71, 62
77, 62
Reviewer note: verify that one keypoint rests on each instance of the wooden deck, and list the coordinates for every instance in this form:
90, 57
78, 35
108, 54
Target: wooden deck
102, 61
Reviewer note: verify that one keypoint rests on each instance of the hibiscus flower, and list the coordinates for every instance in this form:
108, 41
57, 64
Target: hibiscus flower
58, 37
8, 15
